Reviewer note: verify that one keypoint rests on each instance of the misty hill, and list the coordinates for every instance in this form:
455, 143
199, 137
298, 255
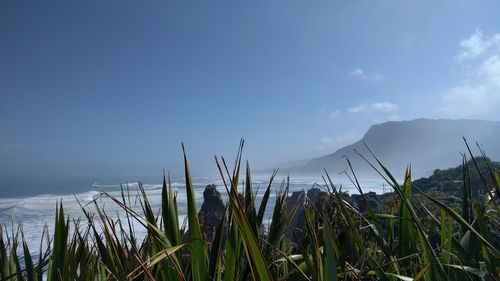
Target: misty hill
426, 144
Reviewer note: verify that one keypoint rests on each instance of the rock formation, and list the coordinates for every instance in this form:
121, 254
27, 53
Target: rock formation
212, 210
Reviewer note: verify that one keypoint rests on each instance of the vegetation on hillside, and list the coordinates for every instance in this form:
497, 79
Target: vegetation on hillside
338, 242
450, 180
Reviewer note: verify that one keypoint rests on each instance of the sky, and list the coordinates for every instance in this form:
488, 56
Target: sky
111, 88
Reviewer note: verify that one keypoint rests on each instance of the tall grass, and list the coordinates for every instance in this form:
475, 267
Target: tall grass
416, 237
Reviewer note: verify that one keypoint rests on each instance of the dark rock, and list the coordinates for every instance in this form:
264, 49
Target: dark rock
317, 197
212, 211
371, 197
296, 225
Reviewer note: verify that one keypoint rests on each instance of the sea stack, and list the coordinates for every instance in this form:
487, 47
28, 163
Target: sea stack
212, 210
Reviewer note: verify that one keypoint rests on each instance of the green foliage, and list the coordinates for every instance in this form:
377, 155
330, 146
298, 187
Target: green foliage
451, 180
414, 237
196, 244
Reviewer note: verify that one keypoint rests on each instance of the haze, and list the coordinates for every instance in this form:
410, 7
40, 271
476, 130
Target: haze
109, 89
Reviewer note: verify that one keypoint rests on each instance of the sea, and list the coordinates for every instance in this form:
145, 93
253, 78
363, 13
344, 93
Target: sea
32, 211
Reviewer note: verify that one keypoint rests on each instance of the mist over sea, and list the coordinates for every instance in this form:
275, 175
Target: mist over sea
32, 209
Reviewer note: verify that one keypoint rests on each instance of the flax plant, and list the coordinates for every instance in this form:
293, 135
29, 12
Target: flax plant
337, 241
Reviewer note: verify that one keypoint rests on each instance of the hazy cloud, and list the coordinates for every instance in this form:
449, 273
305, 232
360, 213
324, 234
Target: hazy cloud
332, 114
322, 111
388, 118
361, 74
376, 106
479, 95
331, 143
409, 40
325, 141
335, 114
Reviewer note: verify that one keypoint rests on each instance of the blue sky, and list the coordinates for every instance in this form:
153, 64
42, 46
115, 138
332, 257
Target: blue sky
111, 88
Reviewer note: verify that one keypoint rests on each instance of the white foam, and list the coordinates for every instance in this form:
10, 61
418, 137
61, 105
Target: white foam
33, 212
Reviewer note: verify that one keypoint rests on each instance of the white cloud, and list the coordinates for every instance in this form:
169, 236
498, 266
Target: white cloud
478, 96
477, 45
359, 108
361, 74
384, 106
376, 106
358, 72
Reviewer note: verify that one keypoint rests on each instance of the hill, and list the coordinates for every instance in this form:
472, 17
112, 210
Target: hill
425, 144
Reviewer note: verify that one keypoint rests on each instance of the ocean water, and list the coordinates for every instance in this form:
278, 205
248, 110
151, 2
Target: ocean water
34, 212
